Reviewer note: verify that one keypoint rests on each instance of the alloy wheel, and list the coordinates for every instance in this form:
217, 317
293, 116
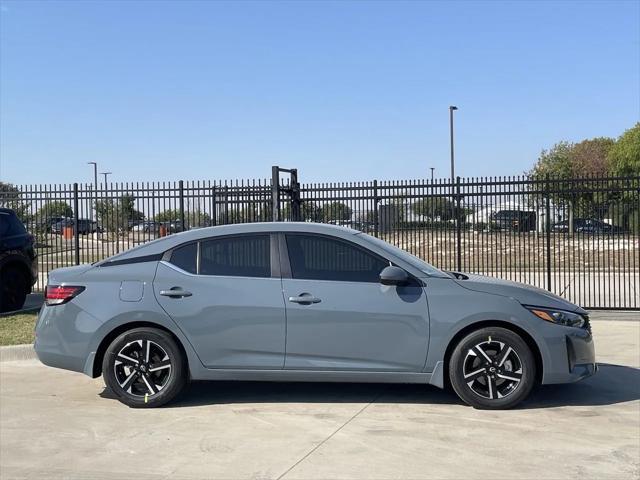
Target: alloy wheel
492, 369
142, 368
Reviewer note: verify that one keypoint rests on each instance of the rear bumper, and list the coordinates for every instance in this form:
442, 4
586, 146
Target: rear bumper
63, 334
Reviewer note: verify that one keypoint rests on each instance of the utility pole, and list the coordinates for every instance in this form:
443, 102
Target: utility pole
453, 171
105, 177
95, 184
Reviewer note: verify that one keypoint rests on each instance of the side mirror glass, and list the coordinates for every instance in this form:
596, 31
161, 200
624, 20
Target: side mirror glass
393, 275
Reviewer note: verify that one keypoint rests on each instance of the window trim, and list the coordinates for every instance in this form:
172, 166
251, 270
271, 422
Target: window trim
274, 254
286, 262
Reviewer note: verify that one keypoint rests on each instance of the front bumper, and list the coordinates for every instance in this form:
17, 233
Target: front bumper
581, 355
573, 356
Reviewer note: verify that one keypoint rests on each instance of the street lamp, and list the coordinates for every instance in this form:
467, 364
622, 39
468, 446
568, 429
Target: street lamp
95, 181
105, 177
453, 174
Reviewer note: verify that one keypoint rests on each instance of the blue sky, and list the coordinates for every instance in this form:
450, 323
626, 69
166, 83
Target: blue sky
340, 90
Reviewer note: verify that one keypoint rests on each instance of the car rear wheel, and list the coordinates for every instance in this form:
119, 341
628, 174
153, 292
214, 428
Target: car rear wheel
145, 367
492, 368
13, 289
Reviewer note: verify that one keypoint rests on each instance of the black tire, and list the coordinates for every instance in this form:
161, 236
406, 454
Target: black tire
492, 368
14, 288
140, 382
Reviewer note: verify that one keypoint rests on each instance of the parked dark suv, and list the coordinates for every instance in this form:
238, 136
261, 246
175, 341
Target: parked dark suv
18, 266
514, 220
85, 226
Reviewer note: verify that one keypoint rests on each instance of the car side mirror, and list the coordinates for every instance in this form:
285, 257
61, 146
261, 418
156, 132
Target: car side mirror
393, 275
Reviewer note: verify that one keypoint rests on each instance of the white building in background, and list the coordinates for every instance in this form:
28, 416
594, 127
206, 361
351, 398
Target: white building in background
484, 214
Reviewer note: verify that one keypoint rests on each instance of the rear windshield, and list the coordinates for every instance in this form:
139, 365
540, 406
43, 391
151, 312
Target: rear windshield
10, 225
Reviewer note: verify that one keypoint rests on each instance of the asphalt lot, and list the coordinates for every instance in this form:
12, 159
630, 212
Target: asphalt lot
57, 424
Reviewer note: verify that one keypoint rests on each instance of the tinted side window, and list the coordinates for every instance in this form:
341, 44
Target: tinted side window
322, 258
185, 257
242, 256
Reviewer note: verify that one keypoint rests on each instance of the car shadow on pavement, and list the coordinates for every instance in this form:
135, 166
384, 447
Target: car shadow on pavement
612, 384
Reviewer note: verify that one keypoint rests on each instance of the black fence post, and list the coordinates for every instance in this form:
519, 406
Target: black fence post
76, 225
295, 196
547, 227
275, 193
214, 208
183, 226
376, 220
458, 228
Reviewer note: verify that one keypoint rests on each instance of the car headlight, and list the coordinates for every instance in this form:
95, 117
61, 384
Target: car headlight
560, 317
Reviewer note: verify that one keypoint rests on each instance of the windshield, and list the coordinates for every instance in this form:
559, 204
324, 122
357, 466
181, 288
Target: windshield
405, 256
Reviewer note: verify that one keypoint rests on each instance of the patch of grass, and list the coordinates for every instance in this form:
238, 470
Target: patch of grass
17, 329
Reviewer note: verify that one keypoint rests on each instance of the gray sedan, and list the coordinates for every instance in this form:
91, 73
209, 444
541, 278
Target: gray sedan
304, 302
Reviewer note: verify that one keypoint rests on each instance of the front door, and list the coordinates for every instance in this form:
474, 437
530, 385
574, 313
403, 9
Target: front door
339, 317
228, 304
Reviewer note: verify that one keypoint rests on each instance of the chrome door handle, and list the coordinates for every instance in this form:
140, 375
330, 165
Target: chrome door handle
175, 292
304, 299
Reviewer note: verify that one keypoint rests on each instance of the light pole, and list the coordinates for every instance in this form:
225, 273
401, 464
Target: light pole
453, 172
95, 183
105, 177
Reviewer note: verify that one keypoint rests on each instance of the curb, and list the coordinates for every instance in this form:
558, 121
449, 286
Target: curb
17, 352
16, 312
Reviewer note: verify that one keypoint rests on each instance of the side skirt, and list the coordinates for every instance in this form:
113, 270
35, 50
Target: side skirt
311, 376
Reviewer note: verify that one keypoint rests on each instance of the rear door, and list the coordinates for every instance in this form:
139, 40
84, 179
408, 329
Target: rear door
225, 294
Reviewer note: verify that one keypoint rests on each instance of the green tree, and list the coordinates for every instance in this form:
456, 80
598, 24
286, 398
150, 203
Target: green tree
624, 156
115, 215
193, 218
11, 197
249, 212
555, 162
624, 160
309, 212
573, 163
590, 157
52, 209
335, 211
433, 207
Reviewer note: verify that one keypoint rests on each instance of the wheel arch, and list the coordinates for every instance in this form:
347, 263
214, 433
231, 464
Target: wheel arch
528, 339
113, 334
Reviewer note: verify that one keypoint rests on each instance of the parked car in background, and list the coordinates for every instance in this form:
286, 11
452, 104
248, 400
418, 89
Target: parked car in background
587, 225
514, 220
294, 301
45, 224
85, 226
146, 226
174, 226
18, 261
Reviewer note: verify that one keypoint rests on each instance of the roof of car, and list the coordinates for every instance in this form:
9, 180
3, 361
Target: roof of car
163, 244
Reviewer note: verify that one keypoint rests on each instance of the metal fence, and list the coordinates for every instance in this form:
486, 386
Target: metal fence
577, 238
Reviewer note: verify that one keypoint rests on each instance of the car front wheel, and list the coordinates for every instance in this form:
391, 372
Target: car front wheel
144, 367
492, 368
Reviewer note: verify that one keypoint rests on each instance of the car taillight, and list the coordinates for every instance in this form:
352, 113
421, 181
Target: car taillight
59, 294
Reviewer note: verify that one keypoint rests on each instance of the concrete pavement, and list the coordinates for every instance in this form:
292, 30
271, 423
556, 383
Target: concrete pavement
57, 424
